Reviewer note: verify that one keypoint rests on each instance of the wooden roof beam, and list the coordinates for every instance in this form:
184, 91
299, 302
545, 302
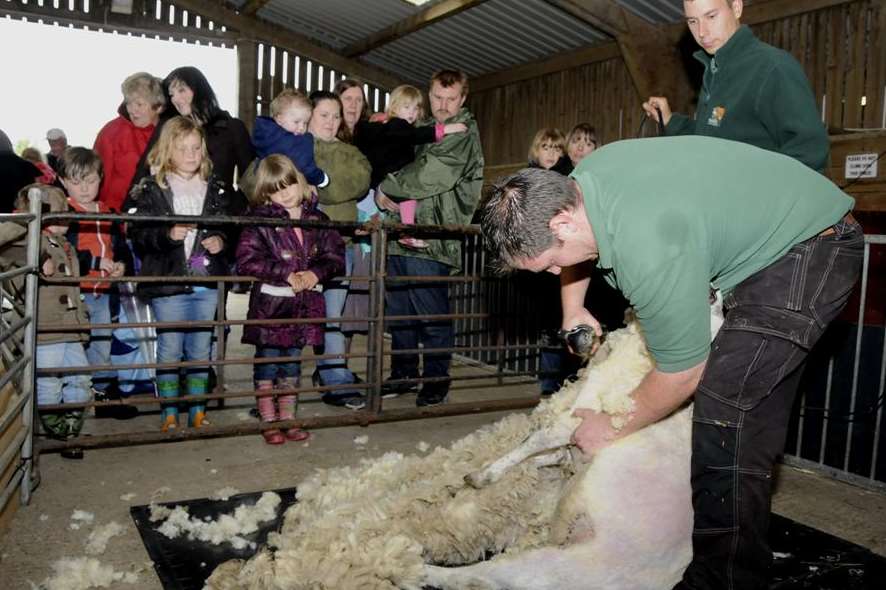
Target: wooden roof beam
261, 30
651, 56
604, 15
253, 6
429, 16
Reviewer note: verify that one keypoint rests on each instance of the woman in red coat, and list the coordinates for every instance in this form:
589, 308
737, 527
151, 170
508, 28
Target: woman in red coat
122, 141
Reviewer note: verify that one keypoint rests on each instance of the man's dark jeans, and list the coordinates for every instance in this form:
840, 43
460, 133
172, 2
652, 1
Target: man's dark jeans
743, 403
419, 298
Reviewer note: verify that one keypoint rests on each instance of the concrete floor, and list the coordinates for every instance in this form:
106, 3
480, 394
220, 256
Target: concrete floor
107, 482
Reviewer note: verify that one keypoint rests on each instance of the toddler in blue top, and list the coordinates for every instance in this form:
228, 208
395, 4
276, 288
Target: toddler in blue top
285, 132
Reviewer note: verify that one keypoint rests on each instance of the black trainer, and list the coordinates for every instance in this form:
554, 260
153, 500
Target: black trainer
75, 453
432, 394
392, 390
341, 400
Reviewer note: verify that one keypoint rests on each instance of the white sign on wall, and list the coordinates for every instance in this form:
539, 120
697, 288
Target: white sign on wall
861, 166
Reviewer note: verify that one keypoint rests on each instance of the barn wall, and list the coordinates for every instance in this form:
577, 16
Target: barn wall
842, 49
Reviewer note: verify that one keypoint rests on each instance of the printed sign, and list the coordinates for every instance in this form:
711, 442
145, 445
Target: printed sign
861, 166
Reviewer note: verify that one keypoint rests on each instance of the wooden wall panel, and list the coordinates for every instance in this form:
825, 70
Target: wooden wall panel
841, 48
842, 52
595, 93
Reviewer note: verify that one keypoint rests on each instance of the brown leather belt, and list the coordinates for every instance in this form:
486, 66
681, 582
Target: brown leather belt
848, 218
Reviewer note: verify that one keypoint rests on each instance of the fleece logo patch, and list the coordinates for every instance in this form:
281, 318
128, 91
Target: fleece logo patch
716, 117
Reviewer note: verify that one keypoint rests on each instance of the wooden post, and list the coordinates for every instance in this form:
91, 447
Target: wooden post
247, 81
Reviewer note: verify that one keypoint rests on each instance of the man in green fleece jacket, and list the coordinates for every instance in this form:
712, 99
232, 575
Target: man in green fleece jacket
774, 236
446, 179
751, 92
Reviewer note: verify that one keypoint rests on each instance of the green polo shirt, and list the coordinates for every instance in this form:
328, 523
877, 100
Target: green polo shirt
674, 215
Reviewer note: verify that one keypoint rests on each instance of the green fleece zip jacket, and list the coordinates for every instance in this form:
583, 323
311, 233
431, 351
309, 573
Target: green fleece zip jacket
755, 93
446, 179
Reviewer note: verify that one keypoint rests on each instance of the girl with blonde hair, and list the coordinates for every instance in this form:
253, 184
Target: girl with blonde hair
182, 184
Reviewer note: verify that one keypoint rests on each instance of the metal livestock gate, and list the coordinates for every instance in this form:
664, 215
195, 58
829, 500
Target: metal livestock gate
837, 426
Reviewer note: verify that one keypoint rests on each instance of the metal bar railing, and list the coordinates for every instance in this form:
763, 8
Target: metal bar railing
28, 389
848, 423
508, 345
284, 359
361, 418
376, 280
12, 329
857, 361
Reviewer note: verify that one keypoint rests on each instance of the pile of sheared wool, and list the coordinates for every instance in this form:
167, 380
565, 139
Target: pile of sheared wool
82, 573
374, 525
229, 528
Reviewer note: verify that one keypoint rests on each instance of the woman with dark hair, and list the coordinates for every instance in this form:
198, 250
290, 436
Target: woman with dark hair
354, 107
582, 141
349, 172
227, 138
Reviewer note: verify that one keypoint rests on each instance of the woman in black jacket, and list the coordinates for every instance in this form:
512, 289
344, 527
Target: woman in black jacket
227, 138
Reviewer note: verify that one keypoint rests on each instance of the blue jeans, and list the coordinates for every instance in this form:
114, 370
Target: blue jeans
132, 345
98, 351
70, 388
550, 368
175, 345
335, 371
270, 371
423, 298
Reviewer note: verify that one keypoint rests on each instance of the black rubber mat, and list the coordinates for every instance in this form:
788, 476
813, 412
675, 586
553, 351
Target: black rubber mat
184, 565
805, 558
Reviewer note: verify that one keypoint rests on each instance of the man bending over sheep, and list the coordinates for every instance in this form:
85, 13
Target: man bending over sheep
667, 219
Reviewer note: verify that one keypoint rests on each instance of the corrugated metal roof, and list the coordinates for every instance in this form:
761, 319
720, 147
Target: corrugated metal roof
487, 38
336, 23
655, 11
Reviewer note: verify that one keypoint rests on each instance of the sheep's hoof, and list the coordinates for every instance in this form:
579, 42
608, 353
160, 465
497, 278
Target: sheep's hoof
478, 479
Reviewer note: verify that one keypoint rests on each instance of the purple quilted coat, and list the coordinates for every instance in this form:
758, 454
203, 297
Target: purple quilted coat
270, 254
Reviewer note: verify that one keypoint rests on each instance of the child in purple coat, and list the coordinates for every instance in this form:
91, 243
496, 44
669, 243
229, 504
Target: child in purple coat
291, 264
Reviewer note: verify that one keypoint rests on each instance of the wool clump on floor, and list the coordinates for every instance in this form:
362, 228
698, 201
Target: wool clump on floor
82, 573
98, 539
228, 528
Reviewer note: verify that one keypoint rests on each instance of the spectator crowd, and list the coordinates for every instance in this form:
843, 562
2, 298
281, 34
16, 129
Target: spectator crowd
172, 150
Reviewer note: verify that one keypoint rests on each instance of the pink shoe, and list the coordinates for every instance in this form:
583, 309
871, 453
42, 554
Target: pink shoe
296, 434
413, 243
273, 437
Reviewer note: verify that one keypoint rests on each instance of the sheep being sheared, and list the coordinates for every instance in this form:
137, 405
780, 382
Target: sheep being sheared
622, 521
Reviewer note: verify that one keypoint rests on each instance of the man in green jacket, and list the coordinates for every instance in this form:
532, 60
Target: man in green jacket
751, 91
446, 179
777, 240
